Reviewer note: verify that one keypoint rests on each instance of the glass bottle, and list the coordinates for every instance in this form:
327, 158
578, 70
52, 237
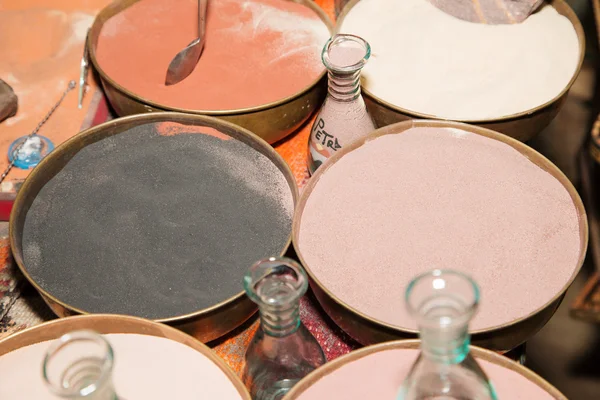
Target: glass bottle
282, 350
343, 117
442, 303
79, 366
28, 151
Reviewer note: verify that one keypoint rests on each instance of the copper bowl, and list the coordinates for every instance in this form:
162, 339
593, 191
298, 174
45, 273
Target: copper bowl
521, 126
207, 324
367, 330
271, 122
106, 324
479, 353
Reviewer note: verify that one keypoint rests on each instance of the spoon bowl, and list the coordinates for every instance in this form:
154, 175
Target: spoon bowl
185, 61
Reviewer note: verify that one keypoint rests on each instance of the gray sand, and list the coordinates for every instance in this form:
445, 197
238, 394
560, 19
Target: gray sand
155, 226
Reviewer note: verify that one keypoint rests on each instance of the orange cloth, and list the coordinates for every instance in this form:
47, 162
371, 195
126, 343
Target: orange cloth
41, 44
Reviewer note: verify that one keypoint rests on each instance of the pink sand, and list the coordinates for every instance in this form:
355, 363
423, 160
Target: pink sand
146, 367
346, 54
379, 375
346, 122
438, 198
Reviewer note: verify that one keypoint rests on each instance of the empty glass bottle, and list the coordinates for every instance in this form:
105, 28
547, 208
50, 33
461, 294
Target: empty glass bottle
282, 351
343, 117
79, 366
442, 303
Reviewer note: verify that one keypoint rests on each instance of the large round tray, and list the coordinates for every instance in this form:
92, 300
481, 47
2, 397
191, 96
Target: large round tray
205, 325
367, 330
272, 122
521, 126
106, 324
478, 352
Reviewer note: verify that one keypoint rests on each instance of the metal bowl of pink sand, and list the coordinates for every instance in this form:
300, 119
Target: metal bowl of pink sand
260, 68
420, 195
522, 125
376, 372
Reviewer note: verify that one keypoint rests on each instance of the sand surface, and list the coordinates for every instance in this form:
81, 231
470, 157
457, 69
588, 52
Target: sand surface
379, 375
431, 198
146, 367
256, 52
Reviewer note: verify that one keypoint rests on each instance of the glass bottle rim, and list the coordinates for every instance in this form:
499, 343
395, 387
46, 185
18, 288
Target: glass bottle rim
270, 266
340, 38
71, 337
470, 307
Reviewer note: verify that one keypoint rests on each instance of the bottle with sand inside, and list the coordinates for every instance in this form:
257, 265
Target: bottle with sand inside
282, 350
79, 366
343, 117
442, 303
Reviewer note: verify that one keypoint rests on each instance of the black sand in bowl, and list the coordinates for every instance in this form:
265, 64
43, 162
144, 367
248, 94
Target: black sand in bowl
158, 221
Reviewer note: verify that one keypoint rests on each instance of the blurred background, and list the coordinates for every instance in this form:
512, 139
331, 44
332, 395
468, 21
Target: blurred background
566, 352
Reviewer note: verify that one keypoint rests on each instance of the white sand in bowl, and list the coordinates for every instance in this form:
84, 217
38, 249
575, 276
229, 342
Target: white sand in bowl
428, 198
379, 375
429, 62
146, 367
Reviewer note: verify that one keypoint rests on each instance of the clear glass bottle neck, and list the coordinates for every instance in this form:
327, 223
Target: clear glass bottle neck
280, 321
79, 366
344, 56
344, 86
276, 285
447, 346
443, 303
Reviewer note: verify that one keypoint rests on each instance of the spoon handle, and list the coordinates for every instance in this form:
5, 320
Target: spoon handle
202, 6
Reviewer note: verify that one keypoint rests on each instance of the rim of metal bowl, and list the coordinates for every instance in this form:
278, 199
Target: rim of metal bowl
414, 344
140, 119
560, 6
97, 26
398, 128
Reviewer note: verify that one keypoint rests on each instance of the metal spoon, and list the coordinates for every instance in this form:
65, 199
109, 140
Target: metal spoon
185, 61
83, 70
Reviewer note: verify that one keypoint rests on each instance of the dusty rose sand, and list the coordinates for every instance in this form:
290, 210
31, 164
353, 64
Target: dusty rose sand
438, 198
256, 52
346, 54
379, 375
146, 367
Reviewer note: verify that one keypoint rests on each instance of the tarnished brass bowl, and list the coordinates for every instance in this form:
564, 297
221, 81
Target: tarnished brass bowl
368, 330
521, 126
271, 122
107, 324
205, 324
479, 353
